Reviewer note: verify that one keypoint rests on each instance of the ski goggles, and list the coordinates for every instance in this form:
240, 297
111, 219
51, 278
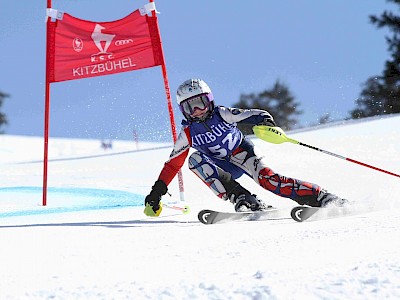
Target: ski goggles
198, 102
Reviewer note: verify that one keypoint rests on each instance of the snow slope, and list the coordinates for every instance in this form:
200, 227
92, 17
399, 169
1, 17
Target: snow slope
92, 240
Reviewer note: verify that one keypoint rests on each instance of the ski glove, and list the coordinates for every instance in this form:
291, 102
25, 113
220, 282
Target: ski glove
153, 206
268, 122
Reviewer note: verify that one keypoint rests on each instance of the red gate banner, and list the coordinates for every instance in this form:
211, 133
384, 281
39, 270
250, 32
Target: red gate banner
79, 49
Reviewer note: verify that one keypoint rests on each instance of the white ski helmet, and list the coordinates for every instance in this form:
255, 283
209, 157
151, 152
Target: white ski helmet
193, 95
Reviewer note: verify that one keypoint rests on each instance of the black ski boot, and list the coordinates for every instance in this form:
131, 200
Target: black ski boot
246, 202
239, 196
327, 199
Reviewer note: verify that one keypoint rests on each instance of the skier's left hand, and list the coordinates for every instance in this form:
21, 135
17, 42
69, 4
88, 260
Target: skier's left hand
268, 122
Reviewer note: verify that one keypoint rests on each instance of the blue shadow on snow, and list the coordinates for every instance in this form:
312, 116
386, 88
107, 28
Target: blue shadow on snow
22, 201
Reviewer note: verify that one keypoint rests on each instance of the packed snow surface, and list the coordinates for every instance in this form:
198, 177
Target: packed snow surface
92, 240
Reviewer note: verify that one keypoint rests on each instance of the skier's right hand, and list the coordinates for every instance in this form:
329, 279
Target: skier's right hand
153, 206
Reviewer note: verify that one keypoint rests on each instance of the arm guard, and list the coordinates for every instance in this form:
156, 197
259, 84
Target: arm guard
246, 116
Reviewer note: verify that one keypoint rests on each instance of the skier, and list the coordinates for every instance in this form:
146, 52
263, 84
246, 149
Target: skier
224, 154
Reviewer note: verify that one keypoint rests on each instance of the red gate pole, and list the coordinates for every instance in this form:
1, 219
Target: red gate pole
47, 110
169, 103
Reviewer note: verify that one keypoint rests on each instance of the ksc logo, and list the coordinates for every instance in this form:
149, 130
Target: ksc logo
103, 42
101, 38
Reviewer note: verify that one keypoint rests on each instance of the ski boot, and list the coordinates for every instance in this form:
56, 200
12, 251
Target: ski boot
239, 196
248, 202
327, 199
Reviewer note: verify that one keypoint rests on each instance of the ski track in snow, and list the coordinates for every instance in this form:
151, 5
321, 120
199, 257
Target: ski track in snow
92, 240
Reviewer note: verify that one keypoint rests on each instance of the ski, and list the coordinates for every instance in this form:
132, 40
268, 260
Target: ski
207, 216
302, 213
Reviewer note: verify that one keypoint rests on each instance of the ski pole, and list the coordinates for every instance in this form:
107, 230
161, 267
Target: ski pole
276, 135
185, 209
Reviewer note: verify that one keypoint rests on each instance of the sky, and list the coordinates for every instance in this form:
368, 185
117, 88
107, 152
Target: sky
322, 50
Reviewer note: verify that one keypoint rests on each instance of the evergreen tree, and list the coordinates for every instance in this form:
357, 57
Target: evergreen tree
381, 94
278, 101
324, 119
3, 118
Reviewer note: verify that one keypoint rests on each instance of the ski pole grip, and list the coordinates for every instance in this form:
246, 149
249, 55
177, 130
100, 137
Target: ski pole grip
274, 135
